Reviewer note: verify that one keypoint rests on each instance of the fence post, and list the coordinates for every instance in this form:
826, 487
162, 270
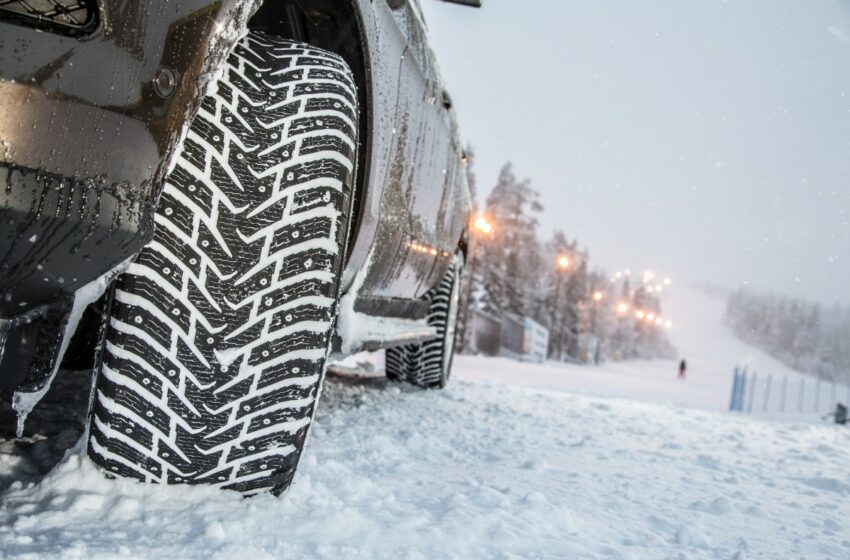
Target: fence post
753, 391
735, 382
817, 395
767, 392
784, 393
802, 390
742, 390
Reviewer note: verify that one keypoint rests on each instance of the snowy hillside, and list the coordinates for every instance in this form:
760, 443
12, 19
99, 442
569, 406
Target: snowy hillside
492, 467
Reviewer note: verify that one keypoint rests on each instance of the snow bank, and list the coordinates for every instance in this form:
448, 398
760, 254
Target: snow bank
480, 470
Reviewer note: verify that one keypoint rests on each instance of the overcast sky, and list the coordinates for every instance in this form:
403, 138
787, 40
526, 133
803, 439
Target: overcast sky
705, 140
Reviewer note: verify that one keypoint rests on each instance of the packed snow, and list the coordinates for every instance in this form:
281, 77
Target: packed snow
504, 463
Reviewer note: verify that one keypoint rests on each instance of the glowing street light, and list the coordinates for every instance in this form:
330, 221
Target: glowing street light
481, 228
658, 321
667, 282
623, 308
482, 225
598, 296
640, 314
668, 324
650, 317
564, 262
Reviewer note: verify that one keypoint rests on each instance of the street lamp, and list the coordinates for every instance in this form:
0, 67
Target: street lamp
563, 263
623, 308
481, 228
482, 225
598, 296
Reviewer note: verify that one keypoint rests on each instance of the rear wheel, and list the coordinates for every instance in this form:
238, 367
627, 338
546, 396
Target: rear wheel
428, 364
218, 333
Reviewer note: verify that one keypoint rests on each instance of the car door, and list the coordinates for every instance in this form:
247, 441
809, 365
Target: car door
418, 230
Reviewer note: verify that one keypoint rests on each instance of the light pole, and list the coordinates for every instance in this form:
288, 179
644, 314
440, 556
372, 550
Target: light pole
598, 296
480, 228
563, 263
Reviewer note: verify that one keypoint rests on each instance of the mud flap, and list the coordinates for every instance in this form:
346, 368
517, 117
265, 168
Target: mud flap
33, 350
37, 341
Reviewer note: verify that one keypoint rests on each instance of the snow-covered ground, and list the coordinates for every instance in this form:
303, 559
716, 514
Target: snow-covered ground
495, 466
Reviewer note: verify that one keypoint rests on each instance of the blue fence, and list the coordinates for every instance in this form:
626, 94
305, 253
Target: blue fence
754, 392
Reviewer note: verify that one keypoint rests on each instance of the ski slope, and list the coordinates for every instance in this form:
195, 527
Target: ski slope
711, 350
495, 466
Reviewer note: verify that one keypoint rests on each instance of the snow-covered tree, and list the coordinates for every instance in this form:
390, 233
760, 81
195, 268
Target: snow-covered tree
511, 273
509, 258
798, 333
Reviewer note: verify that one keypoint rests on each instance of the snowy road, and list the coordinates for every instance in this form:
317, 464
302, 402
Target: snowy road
481, 470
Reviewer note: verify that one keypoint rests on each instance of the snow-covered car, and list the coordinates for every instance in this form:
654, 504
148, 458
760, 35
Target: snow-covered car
227, 193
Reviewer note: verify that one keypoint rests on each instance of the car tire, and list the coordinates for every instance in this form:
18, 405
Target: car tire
428, 364
218, 334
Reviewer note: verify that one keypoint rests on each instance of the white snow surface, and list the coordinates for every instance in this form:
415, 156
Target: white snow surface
484, 469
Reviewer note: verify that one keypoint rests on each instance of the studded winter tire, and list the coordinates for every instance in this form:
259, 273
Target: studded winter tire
215, 348
428, 364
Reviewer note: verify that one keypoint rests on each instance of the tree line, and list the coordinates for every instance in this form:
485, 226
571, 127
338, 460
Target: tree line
591, 316
801, 334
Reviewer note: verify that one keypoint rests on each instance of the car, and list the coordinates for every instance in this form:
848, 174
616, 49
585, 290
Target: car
205, 201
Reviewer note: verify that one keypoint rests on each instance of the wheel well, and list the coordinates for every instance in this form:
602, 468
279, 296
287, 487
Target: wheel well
334, 26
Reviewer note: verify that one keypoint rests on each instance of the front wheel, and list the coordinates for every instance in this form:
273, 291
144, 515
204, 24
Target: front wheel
218, 334
428, 364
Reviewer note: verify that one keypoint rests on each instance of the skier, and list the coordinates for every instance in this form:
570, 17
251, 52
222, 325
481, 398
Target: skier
683, 366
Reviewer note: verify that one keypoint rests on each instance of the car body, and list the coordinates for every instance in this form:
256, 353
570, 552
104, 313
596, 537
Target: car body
94, 101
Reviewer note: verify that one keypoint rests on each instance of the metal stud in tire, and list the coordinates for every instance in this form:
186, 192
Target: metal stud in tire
218, 334
428, 364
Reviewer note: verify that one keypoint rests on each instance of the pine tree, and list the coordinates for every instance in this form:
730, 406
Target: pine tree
509, 257
554, 281
513, 274
623, 345
798, 333
575, 316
